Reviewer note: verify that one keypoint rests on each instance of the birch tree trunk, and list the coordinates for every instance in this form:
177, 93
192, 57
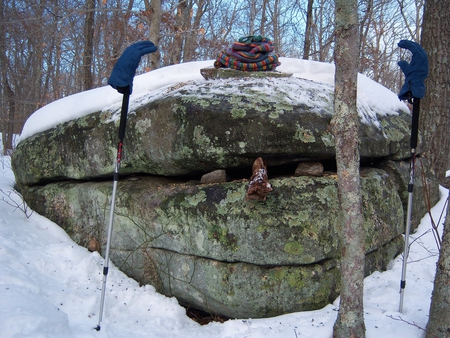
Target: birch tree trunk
345, 127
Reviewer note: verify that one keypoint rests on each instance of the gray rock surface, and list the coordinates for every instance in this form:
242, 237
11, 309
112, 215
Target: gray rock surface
198, 127
206, 245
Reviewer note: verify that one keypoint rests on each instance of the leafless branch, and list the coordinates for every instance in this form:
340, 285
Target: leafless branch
11, 198
427, 198
412, 324
420, 243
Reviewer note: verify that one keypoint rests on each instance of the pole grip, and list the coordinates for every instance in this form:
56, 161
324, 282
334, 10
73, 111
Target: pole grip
415, 123
124, 112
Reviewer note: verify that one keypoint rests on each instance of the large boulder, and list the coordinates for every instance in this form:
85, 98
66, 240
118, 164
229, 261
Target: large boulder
206, 245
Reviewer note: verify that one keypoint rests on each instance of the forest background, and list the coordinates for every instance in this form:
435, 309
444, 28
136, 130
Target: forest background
50, 49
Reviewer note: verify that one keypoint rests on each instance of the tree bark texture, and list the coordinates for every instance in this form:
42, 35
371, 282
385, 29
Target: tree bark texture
439, 322
307, 44
435, 106
345, 126
7, 109
154, 12
190, 44
181, 21
88, 53
435, 127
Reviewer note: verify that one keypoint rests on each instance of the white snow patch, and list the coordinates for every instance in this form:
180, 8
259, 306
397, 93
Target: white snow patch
373, 99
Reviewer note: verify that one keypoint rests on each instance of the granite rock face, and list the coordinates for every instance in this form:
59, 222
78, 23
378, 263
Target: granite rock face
206, 245
199, 127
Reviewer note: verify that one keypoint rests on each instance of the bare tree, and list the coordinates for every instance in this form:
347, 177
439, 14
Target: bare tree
307, 44
435, 122
216, 31
345, 127
323, 29
252, 17
435, 126
262, 26
276, 24
191, 42
153, 18
88, 45
7, 100
411, 17
23, 68
364, 29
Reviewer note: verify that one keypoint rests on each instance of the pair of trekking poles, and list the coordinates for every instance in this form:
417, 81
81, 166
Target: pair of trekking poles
413, 90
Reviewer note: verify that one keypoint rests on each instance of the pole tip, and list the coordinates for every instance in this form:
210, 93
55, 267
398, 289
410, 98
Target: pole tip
97, 328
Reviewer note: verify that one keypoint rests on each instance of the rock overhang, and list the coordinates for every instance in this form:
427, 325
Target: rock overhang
199, 126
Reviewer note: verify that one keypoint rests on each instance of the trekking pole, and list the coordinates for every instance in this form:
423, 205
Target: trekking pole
413, 90
121, 79
123, 119
414, 135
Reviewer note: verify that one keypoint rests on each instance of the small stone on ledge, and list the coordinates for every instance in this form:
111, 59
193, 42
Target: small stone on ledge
216, 176
94, 245
309, 169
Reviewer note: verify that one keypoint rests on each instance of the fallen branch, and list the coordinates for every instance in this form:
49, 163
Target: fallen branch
413, 324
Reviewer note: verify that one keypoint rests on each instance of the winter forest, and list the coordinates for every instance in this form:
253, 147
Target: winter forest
50, 49
53, 48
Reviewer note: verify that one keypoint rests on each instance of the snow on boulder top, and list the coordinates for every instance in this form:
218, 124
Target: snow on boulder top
373, 98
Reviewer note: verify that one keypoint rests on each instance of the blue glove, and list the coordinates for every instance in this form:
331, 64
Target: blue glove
415, 72
125, 68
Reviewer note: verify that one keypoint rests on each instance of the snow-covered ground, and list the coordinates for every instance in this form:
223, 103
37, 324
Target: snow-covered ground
50, 287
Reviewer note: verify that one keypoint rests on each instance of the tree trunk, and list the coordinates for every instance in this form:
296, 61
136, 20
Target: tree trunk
435, 126
307, 45
176, 52
191, 36
252, 17
276, 25
435, 119
88, 45
7, 109
345, 127
262, 26
8, 119
364, 31
154, 11
439, 323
